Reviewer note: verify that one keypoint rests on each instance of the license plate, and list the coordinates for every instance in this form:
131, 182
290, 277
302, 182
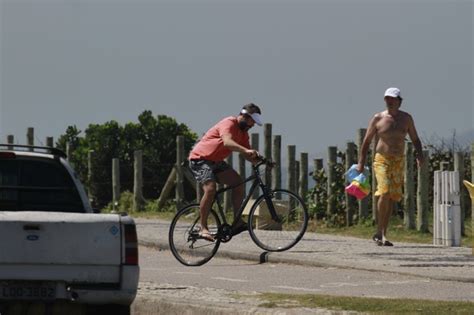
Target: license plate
27, 291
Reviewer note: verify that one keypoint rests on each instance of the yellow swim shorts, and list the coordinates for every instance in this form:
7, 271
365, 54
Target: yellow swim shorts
389, 172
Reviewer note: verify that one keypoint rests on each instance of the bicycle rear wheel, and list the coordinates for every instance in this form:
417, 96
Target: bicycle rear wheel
288, 228
185, 243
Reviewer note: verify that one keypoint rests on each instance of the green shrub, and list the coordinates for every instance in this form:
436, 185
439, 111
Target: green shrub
125, 203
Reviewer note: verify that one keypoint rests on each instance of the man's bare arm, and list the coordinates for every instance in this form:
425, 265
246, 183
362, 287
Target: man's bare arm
369, 135
229, 143
415, 140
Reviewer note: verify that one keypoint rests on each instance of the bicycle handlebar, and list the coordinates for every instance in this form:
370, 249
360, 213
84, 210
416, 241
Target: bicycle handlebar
263, 160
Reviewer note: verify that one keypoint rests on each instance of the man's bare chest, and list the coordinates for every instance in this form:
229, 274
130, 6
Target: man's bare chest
392, 125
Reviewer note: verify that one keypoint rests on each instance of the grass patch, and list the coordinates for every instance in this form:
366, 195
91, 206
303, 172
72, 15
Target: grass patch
362, 304
396, 232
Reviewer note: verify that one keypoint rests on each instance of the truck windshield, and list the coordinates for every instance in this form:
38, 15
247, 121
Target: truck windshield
37, 185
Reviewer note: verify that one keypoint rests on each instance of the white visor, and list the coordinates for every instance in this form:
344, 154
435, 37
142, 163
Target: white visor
255, 116
393, 92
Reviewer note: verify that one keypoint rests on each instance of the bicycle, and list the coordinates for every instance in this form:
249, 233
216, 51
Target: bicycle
277, 220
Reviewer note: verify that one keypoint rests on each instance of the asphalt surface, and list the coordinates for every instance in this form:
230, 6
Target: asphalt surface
322, 250
160, 267
320, 264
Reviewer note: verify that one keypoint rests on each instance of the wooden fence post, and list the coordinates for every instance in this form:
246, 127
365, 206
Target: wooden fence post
318, 166
10, 140
228, 194
267, 134
276, 157
350, 200
422, 200
459, 166
332, 160
409, 197
303, 175
138, 201
179, 171
291, 168
30, 137
167, 188
68, 151
297, 176
364, 203
115, 183
444, 166
50, 142
255, 146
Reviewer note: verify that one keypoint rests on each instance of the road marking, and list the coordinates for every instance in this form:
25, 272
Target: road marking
187, 273
296, 288
339, 284
409, 281
229, 279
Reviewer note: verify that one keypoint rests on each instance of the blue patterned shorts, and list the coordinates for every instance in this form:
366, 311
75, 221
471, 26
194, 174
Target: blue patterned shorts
205, 171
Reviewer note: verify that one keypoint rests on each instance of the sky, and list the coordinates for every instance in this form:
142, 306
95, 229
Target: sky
317, 69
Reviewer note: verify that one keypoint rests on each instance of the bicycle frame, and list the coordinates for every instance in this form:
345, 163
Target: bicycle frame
186, 236
257, 181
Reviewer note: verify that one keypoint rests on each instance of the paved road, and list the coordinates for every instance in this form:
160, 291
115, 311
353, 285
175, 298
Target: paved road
319, 250
159, 267
324, 264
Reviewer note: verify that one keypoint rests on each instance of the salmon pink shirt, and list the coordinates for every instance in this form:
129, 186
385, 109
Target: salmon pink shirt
211, 146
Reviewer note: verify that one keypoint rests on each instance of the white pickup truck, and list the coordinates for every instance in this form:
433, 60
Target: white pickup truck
52, 245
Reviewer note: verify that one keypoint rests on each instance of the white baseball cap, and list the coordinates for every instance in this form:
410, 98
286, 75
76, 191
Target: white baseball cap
255, 116
393, 92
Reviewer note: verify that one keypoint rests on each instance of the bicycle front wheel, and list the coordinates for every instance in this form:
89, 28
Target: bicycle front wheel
185, 241
284, 231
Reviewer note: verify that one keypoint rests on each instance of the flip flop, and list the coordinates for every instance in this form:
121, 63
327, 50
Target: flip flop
384, 243
376, 238
207, 236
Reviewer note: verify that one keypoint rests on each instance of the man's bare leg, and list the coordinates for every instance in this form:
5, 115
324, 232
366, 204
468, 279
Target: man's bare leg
231, 177
209, 189
385, 209
387, 217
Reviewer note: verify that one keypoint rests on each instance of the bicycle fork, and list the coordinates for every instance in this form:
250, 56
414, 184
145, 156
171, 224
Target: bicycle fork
267, 194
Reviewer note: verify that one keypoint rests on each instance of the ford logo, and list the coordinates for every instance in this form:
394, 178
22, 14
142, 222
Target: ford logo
32, 237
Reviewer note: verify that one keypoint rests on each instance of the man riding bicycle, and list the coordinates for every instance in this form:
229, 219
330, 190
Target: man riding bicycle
207, 164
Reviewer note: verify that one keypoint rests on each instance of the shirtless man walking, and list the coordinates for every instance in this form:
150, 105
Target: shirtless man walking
390, 127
